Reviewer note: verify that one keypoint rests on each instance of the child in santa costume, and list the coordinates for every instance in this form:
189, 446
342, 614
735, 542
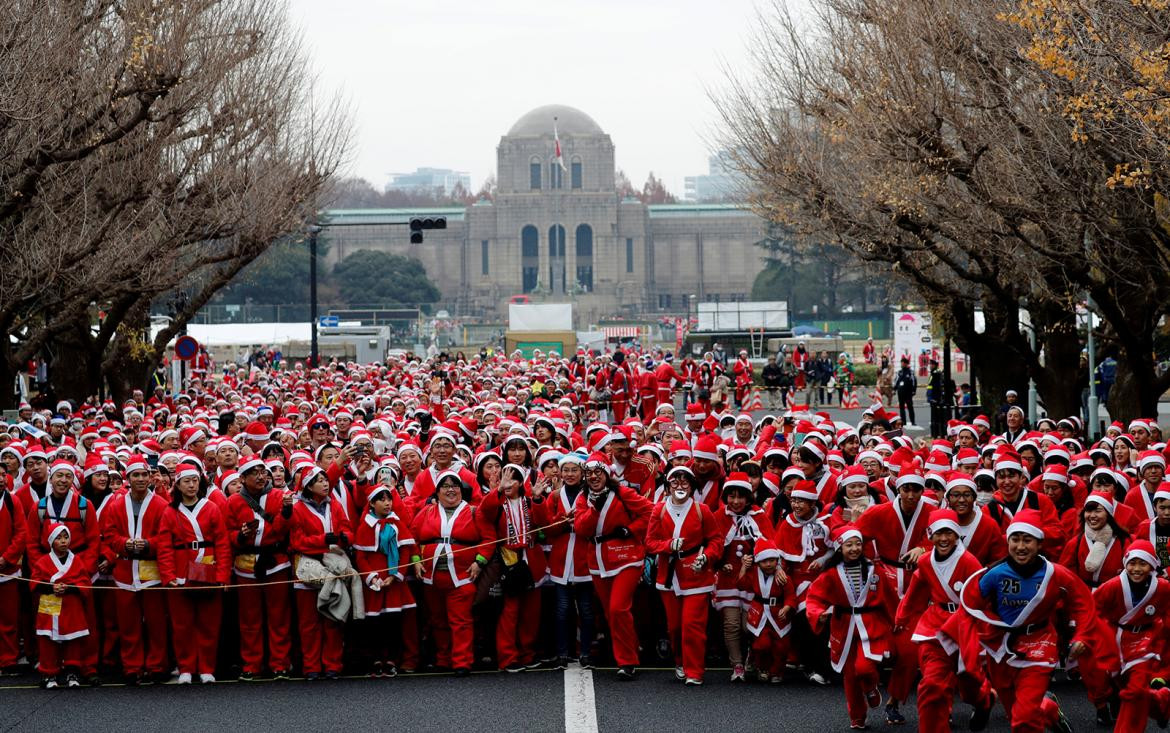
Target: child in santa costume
1132, 608
60, 609
770, 607
851, 598
741, 525
1009, 612
384, 549
684, 536
318, 525
194, 551
933, 596
802, 539
614, 519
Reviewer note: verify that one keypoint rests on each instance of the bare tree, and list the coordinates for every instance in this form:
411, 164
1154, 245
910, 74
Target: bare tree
153, 145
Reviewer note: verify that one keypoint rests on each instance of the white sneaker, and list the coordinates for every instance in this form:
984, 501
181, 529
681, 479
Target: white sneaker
207, 679
679, 674
184, 679
694, 681
817, 679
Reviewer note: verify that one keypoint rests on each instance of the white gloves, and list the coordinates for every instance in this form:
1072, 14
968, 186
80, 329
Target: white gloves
676, 544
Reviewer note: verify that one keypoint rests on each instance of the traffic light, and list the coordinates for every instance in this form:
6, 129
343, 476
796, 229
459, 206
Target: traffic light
418, 224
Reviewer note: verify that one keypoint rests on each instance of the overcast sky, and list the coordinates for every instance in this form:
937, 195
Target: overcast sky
437, 82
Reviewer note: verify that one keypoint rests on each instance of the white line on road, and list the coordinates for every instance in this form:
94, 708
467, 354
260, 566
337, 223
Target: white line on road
580, 708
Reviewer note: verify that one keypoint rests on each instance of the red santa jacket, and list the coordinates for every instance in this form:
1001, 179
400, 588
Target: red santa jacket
1054, 535
648, 386
765, 596
983, 538
84, 531
1076, 550
60, 618
1136, 626
193, 535
1141, 502
858, 619
13, 536
424, 484
456, 538
270, 539
133, 571
500, 512
694, 524
307, 530
893, 536
568, 555
392, 594
616, 530
664, 376
804, 550
933, 594
739, 533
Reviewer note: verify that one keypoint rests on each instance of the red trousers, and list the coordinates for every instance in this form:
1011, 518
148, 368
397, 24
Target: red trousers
195, 620
1021, 689
617, 601
9, 623
518, 628
905, 666
451, 622
649, 405
57, 655
860, 675
619, 410
686, 620
770, 652
322, 638
265, 607
939, 682
142, 628
1138, 702
105, 627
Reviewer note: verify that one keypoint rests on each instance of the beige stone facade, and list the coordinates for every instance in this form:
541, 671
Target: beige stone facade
563, 235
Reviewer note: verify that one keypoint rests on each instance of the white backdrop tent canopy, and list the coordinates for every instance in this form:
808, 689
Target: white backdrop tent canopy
245, 334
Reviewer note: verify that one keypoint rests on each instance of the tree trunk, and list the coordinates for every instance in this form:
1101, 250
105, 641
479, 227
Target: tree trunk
75, 372
130, 357
1137, 389
1060, 381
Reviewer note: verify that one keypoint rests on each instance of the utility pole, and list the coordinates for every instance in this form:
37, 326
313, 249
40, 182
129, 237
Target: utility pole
313, 231
1093, 405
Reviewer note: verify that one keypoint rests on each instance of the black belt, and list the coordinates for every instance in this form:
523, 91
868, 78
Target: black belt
1029, 629
605, 537
951, 607
852, 611
895, 563
194, 545
447, 541
676, 556
769, 601
1136, 628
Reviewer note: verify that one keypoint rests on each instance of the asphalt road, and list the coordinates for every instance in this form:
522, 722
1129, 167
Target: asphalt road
532, 701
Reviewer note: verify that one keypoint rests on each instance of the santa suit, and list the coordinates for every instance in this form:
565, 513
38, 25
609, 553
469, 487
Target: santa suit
1002, 512
983, 538
12, 546
710, 492
764, 599
84, 531
859, 628
739, 532
568, 567
393, 595
800, 545
267, 606
515, 521
424, 484
321, 637
1021, 653
104, 622
618, 383
1136, 626
194, 536
142, 617
1141, 501
685, 591
450, 544
743, 378
664, 376
60, 619
616, 528
933, 596
648, 393
1077, 550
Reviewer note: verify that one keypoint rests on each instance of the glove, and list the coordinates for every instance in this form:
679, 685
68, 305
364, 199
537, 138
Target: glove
623, 532
330, 538
286, 511
676, 544
343, 539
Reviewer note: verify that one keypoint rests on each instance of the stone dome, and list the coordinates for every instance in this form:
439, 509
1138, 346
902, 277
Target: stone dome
570, 120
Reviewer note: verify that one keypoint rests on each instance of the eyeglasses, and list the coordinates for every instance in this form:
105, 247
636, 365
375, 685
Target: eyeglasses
961, 495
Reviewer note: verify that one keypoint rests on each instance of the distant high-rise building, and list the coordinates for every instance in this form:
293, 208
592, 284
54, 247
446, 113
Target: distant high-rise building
722, 182
430, 180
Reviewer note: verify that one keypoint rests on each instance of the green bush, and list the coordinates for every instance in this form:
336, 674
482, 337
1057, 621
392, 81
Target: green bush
865, 375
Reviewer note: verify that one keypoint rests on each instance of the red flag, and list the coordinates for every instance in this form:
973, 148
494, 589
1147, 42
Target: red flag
560, 159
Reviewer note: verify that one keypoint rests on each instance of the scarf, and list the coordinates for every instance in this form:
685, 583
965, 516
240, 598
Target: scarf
257, 504
811, 530
1098, 547
388, 545
518, 522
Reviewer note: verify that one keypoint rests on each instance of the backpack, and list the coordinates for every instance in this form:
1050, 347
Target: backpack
43, 509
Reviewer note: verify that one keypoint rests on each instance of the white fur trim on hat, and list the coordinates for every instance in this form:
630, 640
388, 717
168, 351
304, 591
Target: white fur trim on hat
943, 524
1131, 553
1026, 528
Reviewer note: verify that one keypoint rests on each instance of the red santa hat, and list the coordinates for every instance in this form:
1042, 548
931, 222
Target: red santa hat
957, 480
707, 447
1027, 521
1142, 550
843, 533
250, 462
679, 449
598, 460
183, 470
909, 475
1008, 461
1104, 500
853, 475
765, 549
737, 480
53, 530
1150, 458
943, 519
772, 482
136, 462
966, 457
680, 471
805, 489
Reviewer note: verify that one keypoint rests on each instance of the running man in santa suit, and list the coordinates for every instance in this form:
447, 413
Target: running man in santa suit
1010, 611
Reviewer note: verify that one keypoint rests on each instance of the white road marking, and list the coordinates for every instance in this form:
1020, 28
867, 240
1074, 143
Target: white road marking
580, 708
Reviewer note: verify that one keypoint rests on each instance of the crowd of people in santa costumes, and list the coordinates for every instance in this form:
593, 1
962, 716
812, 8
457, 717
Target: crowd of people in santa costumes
451, 514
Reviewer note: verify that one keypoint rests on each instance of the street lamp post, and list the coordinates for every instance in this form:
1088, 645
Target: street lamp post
1093, 404
313, 231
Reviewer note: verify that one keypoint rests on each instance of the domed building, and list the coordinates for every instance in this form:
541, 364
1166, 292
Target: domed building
560, 235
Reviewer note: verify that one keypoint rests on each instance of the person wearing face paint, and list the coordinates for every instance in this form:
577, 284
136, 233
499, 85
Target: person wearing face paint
1132, 608
452, 547
1009, 612
684, 535
851, 599
515, 513
931, 599
614, 519
741, 524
